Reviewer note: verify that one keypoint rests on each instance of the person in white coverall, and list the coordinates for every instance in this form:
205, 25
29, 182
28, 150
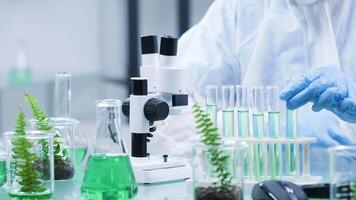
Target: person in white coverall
264, 42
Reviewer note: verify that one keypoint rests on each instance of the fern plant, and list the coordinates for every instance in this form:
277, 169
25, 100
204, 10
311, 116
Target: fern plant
210, 137
44, 125
24, 160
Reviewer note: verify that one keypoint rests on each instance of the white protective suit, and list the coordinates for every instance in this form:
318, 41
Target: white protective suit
261, 42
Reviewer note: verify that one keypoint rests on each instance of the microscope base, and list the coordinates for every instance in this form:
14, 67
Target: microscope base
155, 170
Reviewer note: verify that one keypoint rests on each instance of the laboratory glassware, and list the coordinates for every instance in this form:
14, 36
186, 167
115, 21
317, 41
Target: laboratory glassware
291, 149
243, 115
109, 173
3, 158
62, 108
20, 73
259, 157
212, 102
292, 153
63, 95
342, 172
31, 166
275, 150
206, 186
64, 154
243, 124
228, 104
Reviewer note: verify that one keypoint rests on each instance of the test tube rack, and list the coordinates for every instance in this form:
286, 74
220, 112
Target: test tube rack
248, 106
302, 175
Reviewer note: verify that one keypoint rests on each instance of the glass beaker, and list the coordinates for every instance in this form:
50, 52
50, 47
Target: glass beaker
30, 164
343, 172
226, 181
64, 151
109, 172
3, 158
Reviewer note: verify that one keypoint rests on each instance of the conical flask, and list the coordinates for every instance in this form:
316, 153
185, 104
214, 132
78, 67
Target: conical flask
109, 174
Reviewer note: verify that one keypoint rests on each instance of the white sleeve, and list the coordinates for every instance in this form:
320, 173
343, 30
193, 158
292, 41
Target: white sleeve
209, 48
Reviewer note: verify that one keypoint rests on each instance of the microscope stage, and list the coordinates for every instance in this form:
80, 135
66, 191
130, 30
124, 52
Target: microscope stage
156, 170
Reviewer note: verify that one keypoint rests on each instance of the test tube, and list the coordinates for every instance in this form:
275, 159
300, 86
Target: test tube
258, 132
212, 102
243, 115
306, 159
63, 94
292, 163
243, 125
275, 150
228, 104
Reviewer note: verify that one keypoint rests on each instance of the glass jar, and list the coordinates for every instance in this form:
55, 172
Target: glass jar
218, 171
68, 152
343, 172
30, 164
3, 158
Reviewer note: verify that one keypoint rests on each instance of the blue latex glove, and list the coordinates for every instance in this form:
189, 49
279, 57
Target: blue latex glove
324, 126
328, 89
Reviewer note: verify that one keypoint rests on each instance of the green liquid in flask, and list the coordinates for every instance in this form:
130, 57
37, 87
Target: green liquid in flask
243, 124
79, 153
109, 177
274, 149
212, 110
228, 123
291, 149
2, 172
259, 149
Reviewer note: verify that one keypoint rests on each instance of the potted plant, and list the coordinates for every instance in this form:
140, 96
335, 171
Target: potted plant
63, 128
25, 180
217, 171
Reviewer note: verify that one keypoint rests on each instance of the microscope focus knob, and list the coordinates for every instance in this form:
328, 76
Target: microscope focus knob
125, 107
156, 110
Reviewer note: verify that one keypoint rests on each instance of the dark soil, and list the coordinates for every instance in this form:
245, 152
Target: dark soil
213, 193
62, 170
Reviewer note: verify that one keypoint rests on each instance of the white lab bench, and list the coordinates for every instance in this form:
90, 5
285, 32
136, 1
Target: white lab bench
70, 190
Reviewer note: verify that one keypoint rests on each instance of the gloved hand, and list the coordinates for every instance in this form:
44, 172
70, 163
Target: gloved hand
324, 126
328, 89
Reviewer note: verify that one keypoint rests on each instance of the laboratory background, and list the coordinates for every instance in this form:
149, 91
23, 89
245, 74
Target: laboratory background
96, 41
177, 99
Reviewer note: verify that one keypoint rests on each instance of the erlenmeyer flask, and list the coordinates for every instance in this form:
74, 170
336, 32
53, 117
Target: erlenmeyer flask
109, 174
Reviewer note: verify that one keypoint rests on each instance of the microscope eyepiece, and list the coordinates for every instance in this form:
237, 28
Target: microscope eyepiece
149, 44
168, 46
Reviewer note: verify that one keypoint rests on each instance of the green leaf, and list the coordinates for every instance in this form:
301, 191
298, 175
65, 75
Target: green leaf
209, 136
23, 158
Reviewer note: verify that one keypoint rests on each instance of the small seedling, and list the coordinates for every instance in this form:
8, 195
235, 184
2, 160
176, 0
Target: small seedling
209, 136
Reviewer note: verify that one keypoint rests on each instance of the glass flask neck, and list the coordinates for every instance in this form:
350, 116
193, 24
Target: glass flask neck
63, 95
108, 137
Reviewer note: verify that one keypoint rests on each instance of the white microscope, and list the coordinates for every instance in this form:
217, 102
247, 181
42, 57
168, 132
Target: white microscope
158, 93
